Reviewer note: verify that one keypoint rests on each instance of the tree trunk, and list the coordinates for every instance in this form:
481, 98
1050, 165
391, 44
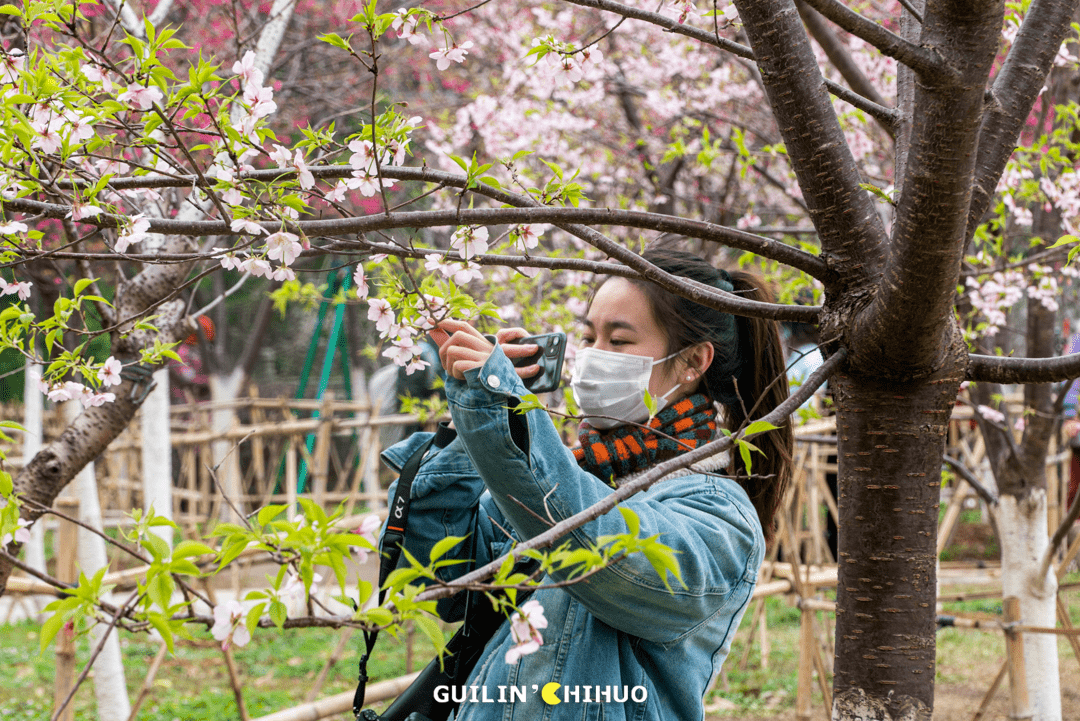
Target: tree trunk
891, 437
157, 454
224, 388
1022, 525
33, 422
110, 687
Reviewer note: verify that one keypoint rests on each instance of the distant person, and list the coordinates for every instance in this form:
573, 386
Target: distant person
1071, 427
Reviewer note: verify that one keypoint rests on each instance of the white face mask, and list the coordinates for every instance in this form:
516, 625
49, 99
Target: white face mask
606, 383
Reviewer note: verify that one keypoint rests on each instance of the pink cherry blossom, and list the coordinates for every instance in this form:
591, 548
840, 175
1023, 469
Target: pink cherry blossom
529, 235
470, 241
96, 75
991, 414
405, 26
12, 63
368, 529
447, 55
245, 68
229, 627
140, 96
20, 535
92, 400
303, 173
80, 211
525, 627
109, 373
134, 233
22, 288
283, 273
467, 272
260, 100
360, 279
283, 246
12, 228
258, 267
379, 311
244, 225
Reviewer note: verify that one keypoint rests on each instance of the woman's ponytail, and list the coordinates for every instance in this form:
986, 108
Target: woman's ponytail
762, 385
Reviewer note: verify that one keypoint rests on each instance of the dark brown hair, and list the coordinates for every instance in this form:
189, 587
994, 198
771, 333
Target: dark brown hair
747, 374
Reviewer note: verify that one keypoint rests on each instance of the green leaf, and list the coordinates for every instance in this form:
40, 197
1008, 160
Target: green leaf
161, 624
440, 548
157, 546
650, 403
758, 427
10, 10
50, 628
278, 613
269, 513
1066, 240
633, 524
432, 631
6, 485
186, 549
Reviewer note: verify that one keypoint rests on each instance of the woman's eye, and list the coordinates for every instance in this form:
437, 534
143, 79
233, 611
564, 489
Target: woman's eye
619, 341
588, 341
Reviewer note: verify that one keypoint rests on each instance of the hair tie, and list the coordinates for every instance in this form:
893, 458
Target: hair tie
724, 281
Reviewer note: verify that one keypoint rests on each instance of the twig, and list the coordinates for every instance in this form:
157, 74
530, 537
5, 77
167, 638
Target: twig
1058, 538
972, 480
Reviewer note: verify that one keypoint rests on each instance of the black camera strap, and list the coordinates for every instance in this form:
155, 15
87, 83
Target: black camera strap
389, 553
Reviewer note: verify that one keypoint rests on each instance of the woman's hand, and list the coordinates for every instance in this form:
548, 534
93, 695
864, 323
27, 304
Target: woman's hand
462, 348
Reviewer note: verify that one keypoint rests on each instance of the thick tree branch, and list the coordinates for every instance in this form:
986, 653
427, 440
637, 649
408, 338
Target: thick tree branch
741, 240
999, 369
851, 232
908, 326
924, 61
1016, 86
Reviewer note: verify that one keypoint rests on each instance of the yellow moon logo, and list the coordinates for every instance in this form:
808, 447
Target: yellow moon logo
548, 693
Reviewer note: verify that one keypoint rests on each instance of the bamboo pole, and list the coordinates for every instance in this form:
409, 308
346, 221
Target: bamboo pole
803, 710
148, 682
66, 542
342, 702
991, 692
1020, 705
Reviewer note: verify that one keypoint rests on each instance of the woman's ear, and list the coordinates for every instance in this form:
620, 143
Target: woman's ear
699, 360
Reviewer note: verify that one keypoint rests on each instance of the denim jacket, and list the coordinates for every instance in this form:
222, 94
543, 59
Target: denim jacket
620, 644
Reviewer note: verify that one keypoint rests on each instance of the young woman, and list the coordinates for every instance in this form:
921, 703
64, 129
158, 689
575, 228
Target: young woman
621, 644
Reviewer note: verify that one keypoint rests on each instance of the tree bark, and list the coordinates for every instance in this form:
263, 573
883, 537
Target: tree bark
890, 441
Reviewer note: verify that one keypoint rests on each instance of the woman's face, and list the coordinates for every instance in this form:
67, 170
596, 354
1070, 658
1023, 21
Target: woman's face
620, 320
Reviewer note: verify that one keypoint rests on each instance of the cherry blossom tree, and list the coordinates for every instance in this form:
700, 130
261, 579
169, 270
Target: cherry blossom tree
550, 140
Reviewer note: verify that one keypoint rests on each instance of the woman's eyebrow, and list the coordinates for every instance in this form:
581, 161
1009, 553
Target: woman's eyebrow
610, 325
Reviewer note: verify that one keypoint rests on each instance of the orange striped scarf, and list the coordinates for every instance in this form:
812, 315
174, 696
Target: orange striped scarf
627, 449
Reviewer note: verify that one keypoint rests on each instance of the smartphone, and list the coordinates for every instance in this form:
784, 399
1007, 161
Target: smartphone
549, 357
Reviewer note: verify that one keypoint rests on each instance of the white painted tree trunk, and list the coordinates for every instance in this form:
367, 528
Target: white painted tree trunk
34, 423
1024, 539
110, 687
225, 388
157, 454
